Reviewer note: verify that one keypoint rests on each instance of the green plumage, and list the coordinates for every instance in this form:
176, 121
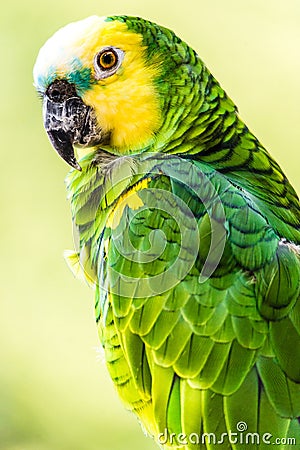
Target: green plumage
230, 341
197, 274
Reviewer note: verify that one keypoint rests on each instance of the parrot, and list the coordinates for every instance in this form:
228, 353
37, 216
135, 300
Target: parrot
187, 231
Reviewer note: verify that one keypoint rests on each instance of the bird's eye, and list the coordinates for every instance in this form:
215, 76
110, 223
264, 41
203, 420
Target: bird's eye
107, 61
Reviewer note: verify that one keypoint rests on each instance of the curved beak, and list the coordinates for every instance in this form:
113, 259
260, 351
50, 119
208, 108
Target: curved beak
68, 121
62, 142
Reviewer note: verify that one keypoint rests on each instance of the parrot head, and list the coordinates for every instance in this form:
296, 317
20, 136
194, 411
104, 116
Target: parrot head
103, 83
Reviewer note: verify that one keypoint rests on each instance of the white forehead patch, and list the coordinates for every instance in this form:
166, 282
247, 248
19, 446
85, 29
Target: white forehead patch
61, 45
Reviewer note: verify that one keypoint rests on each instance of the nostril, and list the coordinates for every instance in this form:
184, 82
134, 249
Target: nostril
60, 90
55, 95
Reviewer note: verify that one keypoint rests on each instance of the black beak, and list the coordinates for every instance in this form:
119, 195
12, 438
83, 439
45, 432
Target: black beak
62, 142
68, 121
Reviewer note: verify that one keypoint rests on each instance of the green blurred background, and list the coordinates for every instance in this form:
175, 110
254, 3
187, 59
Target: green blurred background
55, 393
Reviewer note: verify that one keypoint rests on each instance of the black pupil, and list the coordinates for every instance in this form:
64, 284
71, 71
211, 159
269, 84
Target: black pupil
108, 59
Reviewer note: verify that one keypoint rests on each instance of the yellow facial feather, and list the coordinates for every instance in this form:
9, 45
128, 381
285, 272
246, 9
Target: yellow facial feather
126, 104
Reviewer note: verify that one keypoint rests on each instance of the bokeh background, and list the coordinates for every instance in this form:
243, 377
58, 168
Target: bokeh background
55, 393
